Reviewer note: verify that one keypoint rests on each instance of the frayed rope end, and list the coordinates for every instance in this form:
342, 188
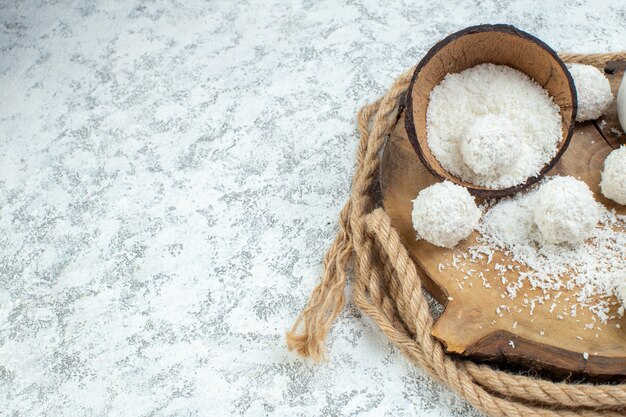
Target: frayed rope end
307, 346
327, 299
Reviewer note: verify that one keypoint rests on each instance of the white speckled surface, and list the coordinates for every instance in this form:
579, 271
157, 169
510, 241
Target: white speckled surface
170, 175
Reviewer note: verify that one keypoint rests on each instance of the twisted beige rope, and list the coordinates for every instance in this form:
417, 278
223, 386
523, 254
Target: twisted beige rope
388, 288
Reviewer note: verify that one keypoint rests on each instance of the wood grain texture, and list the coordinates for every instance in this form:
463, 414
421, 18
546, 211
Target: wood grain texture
470, 325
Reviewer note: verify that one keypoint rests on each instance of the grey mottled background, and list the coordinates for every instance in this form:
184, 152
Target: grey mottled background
170, 176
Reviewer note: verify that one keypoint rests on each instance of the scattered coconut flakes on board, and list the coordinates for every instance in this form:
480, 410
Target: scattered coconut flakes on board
590, 269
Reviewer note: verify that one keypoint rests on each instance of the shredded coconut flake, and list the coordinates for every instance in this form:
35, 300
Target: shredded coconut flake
621, 290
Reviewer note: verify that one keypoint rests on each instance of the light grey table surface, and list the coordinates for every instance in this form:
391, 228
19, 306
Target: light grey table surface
170, 177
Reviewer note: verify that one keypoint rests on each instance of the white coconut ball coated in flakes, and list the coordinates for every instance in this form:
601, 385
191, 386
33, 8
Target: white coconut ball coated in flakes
613, 183
444, 214
490, 144
565, 211
593, 91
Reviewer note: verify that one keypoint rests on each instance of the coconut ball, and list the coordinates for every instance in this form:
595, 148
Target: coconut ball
444, 214
613, 183
565, 210
593, 91
621, 104
490, 144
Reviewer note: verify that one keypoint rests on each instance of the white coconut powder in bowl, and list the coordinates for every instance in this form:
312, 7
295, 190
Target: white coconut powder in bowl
500, 93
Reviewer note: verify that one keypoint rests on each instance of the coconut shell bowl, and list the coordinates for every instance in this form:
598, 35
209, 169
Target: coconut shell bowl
500, 45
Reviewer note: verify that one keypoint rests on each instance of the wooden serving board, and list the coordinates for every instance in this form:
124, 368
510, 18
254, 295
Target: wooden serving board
470, 324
